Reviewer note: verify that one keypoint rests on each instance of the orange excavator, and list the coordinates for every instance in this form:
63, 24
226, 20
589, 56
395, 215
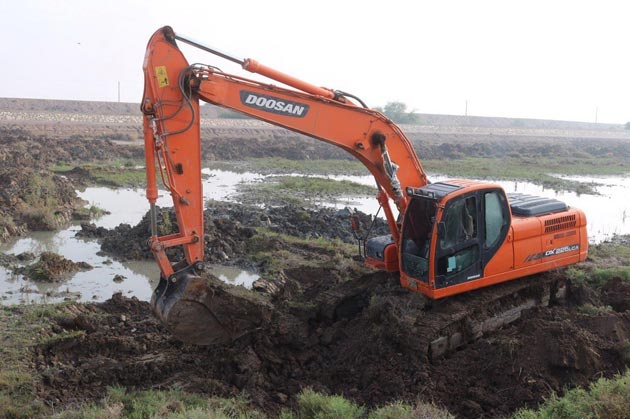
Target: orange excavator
447, 238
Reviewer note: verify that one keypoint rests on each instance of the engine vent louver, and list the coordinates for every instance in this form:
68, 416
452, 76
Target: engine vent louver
560, 223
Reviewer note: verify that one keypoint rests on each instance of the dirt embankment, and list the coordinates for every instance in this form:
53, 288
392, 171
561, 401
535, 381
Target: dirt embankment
33, 197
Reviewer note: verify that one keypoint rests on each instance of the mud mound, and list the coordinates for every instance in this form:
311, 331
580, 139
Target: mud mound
52, 267
229, 225
365, 338
34, 200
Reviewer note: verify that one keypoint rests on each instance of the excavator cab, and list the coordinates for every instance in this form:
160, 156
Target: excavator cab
450, 232
461, 235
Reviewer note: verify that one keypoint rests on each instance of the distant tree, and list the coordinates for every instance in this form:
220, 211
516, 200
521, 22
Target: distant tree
627, 125
397, 112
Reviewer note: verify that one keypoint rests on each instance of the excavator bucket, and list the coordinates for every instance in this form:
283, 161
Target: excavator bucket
202, 310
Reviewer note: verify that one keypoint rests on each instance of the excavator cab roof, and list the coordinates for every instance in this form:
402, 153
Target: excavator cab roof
435, 191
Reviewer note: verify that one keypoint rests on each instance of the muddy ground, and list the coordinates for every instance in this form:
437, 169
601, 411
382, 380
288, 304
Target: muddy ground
363, 337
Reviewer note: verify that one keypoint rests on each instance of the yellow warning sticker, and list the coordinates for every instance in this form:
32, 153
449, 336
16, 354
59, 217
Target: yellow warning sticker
162, 77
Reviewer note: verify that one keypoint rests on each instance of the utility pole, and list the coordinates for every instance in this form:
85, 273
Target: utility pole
118, 91
466, 108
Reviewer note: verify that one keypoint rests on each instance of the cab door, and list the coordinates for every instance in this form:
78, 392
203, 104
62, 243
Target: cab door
458, 252
497, 253
471, 237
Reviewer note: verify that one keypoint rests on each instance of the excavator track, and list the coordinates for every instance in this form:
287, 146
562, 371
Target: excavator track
460, 320
439, 327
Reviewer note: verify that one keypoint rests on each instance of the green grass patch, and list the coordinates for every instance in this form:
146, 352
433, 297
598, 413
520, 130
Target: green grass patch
116, 175
314, 405
596, 276
605, 399
316, 186
420, 410
176, 404
605, 262
300, 190
167, 404
616, 251
22, 328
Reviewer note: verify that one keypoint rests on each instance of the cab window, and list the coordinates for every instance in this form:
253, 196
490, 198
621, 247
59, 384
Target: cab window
460, 222
459, 247
495, 218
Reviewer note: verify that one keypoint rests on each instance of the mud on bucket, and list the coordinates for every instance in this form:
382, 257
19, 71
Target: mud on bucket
202, 310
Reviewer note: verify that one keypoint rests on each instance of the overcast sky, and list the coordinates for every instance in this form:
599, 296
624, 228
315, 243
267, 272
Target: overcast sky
549, 59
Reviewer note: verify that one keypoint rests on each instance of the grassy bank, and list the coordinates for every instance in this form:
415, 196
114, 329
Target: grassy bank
605, 399
300, 190
22, 328
278, 165
175, 404
118, 174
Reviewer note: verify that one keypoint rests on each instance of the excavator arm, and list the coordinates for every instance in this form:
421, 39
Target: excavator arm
170, 105
173, 89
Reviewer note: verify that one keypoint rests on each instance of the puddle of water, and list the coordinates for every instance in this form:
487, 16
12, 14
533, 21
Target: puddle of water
607, 214
125, 205
93, 285
233, 275
140, 277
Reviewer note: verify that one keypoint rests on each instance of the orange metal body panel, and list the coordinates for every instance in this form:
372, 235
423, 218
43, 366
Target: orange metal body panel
389, 262
503, 260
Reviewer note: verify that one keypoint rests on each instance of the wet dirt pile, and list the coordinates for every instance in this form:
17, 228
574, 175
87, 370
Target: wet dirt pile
52, 267
365, 338
228, 226
13, 261
32, 199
